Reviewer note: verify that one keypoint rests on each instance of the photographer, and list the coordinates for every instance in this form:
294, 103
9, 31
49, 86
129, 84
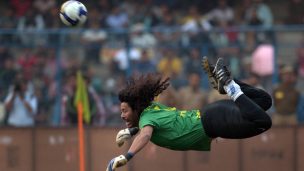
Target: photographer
20, 105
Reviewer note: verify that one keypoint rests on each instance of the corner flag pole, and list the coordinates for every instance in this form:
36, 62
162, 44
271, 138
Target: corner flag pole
81, 137
81, 102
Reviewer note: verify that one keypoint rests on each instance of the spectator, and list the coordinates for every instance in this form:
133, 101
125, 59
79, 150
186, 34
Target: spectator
170, 64
109, 97
21, 104
117, 19
141, 38
300, 61
295, 12
96, 17
166, 32
93, 39
104, 6
300, 67
7, 72
262, 64
44, 6
27, 24
169, 97
144, 65
134, 10
124, 58
262, 11
286, 98
223, 17
253, 80
51, 64
255, 20
241, 9
7, 21
193, 62
192, 95
195, 25
69, 115
150, 19
41, 81
4, 54
27, 61
215, 96
259, 14
20, 7
222, 14
194, 21
232, 56
52, 23
300, 111
32, 20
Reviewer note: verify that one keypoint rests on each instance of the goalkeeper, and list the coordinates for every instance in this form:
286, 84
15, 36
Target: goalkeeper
243, 116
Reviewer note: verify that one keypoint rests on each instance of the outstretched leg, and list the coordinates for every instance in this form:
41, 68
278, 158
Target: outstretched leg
259, 96
242, 117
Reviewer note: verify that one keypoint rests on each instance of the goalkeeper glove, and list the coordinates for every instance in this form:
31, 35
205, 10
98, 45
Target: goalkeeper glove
119, 161
124, 135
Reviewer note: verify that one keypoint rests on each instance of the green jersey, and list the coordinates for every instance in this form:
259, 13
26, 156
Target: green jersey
175, 129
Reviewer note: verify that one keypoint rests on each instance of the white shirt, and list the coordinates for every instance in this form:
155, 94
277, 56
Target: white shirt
117, 21
146, 40
222, 15
122, 57
94, 35
19, 115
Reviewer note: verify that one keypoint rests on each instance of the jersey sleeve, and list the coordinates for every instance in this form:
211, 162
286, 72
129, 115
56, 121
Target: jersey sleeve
148, 119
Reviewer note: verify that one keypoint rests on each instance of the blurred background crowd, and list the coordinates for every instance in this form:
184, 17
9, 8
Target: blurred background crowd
261, 41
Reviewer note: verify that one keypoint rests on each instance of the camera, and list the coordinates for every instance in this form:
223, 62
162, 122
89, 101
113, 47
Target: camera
17, 87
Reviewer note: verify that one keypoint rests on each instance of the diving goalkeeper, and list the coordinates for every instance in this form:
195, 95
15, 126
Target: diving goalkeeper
243, 116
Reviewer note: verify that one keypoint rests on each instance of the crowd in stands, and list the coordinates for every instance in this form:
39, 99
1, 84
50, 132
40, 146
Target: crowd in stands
122, 38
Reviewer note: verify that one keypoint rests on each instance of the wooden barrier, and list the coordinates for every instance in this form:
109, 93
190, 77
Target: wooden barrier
16, 148
273, 150
300, 149
102, 148
56, 149
154, 158
224, 155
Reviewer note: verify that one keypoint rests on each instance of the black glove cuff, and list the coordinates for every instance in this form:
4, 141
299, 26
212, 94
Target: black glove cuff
133, 130
129, 156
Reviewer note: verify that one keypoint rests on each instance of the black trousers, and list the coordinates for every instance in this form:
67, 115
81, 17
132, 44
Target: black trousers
244, 118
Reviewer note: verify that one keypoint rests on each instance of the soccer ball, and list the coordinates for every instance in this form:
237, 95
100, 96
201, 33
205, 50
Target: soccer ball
73, 13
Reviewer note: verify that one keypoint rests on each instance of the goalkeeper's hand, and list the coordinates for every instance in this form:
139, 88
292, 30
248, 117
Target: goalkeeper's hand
124, 135
119, 161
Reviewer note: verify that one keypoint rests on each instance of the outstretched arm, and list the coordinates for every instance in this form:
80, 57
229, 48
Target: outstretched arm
141, 140
139, 143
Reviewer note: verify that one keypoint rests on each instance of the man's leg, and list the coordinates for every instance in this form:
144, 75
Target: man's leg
241, 119
259, 96
248, 108
224, 119
262, 98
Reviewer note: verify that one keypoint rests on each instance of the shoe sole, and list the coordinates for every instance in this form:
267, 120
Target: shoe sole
219, 63
207, 69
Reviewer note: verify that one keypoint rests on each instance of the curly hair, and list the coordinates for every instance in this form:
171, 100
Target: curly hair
140, 91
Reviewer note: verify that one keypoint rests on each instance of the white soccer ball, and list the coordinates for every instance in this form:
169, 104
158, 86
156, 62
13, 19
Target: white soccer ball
73, 13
